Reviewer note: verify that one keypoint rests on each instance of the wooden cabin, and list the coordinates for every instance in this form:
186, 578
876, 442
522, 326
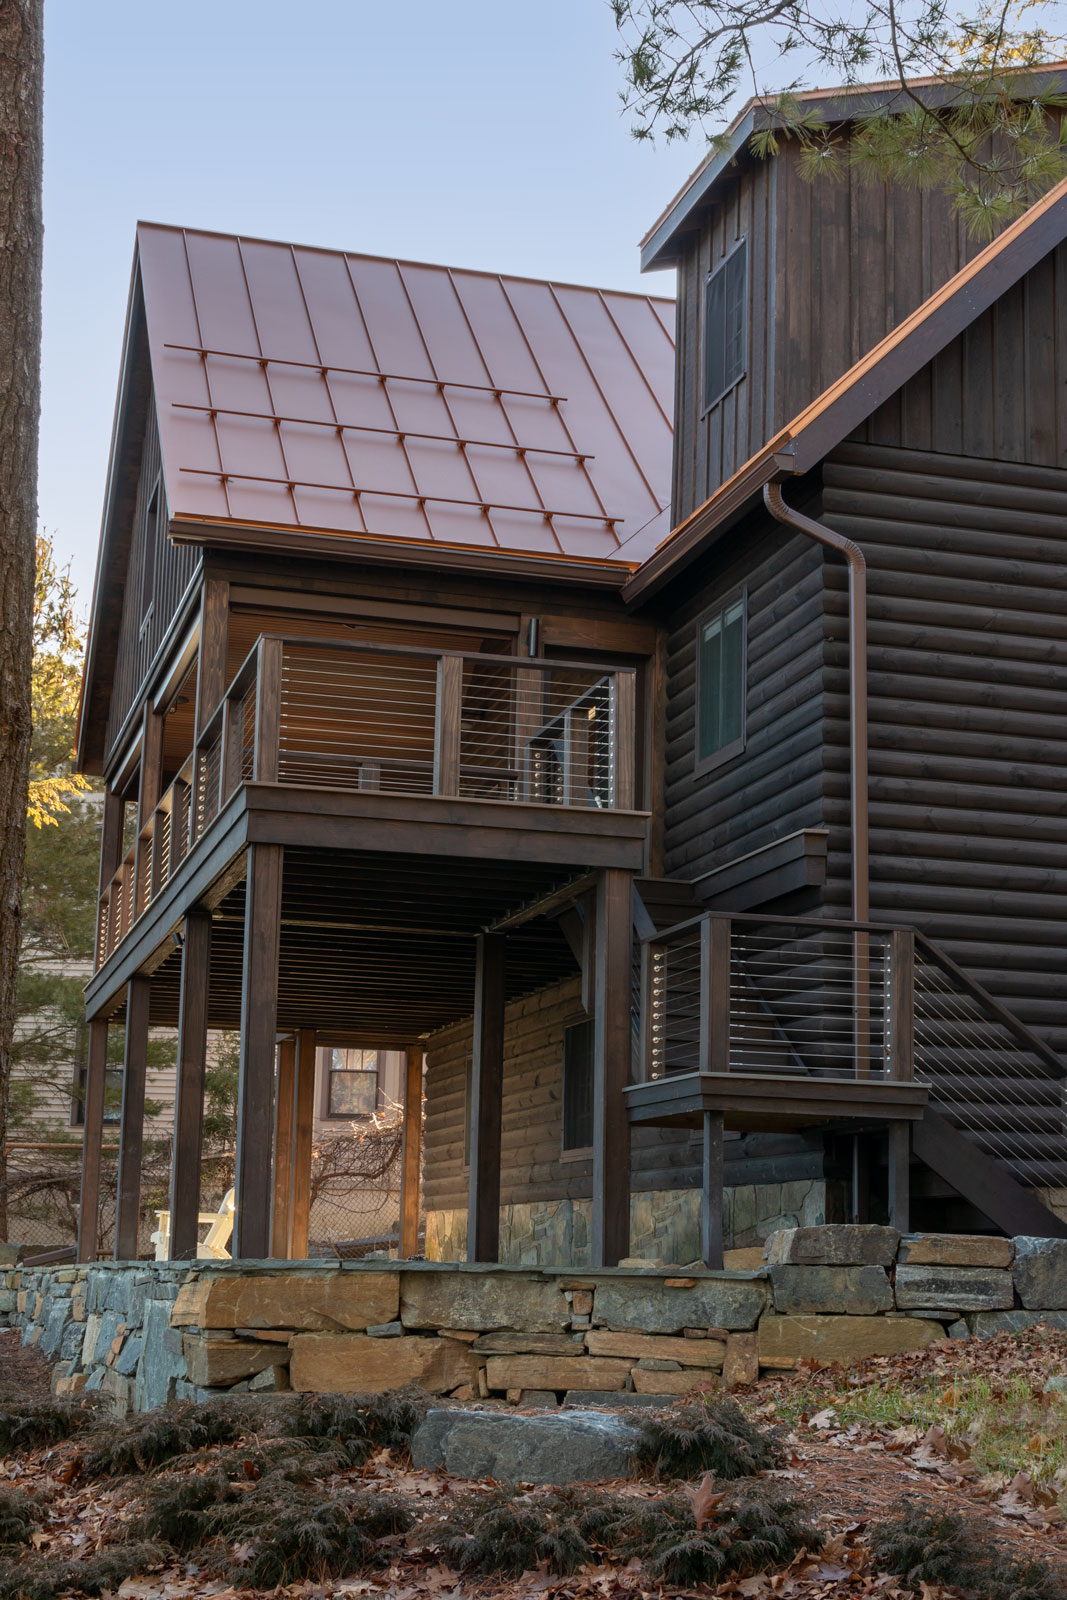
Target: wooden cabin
694, 813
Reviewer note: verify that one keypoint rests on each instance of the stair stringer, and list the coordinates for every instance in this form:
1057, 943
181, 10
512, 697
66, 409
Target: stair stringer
981, 1180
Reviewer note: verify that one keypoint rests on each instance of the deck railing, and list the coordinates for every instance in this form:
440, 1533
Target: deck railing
395, 719
753, 995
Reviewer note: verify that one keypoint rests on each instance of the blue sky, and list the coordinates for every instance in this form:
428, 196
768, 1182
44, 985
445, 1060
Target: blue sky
483, 133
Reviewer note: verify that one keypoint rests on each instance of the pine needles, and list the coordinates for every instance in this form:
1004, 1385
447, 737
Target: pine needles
716, 1438
941, 1547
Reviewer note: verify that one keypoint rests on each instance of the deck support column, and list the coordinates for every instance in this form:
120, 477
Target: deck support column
411, 1162
899, 1176
303, 1140
189, 1097
612, 1050
92, 1139
284, 1125
131, 1131
255, 1088
487, 1087
711, 1240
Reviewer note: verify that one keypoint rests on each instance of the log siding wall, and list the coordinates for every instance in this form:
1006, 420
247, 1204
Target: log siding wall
967, 574
140, 637
776, 784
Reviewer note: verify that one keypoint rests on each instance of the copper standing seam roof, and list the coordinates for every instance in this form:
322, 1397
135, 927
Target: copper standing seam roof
377, 399
804, 441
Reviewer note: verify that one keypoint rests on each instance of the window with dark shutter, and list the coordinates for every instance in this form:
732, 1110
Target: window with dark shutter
724, 325
721, 650
578, 1087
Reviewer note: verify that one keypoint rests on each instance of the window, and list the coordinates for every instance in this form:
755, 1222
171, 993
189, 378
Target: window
578, 1087
351, 1083
724, 325
720, 645
112, 1084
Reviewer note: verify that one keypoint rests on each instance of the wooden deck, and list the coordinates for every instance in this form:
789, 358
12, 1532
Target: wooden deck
772, 1101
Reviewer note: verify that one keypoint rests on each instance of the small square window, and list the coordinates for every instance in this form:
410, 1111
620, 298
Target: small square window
352, 1088
578, 1087
725, 327
721, 652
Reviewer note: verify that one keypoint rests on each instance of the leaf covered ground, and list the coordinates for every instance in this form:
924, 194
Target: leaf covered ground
939, 1474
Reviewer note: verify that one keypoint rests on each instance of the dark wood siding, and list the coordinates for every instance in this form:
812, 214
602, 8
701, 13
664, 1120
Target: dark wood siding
708, 448
968, 734
1000, 390
775, 785
142, 632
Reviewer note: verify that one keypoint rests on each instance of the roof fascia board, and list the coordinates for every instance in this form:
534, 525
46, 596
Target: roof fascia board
397, 553
655, 255
134, 301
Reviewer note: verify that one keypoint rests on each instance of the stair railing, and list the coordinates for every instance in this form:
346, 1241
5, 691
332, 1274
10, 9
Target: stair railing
988, 1073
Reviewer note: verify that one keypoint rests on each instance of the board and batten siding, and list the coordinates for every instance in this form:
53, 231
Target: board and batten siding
967, 659
775, 785
833, 265
141, 634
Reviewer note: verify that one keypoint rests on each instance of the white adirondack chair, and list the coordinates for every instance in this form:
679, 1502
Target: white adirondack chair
212, 1247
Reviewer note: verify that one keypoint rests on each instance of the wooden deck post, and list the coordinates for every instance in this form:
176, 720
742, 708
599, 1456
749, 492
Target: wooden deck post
902, 1005
131, 1132
214, 642
189, 1096
448, 725
412, 1153
255, 1089
92, 1139
487, 1084
284, 1125
612, 1047
711, 1240
715, 994
900, 1176
303, 1139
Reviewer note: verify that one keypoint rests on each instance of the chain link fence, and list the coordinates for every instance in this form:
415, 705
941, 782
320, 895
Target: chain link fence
355, 1191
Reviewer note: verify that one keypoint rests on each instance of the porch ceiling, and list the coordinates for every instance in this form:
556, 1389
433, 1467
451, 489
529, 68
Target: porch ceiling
378, 948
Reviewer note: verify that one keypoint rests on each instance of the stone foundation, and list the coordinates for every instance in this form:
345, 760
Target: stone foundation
147, 1333
664, 1223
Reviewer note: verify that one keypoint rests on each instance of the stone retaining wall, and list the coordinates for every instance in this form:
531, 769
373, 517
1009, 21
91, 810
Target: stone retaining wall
148, 1333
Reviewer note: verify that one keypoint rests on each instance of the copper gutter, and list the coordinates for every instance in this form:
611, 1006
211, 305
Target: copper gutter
857, 674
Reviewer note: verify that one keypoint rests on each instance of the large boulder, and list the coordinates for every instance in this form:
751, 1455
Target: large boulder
556, 1447
826, 1338
711, 1302
836, 1244
857, 1291
922, 1288
987, 1324
485, 1301
1041, 1273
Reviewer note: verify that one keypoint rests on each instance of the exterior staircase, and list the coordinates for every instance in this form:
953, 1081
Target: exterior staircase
811, 999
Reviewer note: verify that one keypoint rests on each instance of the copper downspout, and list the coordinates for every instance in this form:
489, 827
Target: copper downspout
857, 664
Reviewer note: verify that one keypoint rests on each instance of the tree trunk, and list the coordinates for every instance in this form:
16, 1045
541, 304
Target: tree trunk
21, 233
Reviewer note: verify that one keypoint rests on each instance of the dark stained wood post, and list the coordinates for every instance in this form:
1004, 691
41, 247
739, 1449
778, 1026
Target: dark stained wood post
625, 741
412, 1153
259, 1014
900, 1175
131, 1132
284, 1124
189, 1097
610, 1232
902, 1005
487, 1089
711, 1240
715, 994
92, 1139
448, 725
303, 1140
268, 711
114, 817
214, 642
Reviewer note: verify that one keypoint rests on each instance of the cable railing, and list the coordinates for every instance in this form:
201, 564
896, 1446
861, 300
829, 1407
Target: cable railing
988, 1074
398, 720
757, 995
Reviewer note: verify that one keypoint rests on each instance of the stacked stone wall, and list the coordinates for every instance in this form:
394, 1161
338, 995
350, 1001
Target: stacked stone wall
145, 1334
